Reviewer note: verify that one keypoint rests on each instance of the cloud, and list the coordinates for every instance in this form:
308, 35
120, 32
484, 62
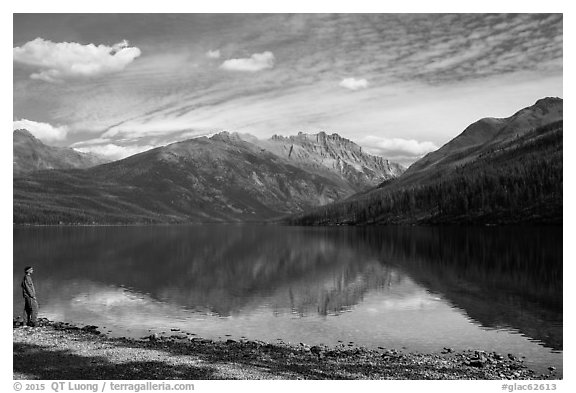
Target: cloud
256, 62
43, 131
403, 150
113, 151
66, 60
354, 84
416, 77
213, 54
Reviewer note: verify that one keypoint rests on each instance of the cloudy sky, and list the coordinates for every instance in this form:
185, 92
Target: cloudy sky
399, 85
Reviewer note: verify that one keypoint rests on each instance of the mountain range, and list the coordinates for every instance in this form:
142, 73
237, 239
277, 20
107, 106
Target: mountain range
486, 136
497, 171
227, 177
30, 154
333, 153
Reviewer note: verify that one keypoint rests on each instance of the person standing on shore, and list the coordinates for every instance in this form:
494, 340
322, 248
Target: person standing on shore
30, 303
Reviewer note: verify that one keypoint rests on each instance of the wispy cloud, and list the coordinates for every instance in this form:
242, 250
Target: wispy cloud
64, 60
397, 149
256, 62
354, 84
417, 77
43, 131
406, 121
213, 54
113, 151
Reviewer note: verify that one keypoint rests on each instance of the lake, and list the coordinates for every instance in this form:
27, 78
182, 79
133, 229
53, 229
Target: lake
413, 288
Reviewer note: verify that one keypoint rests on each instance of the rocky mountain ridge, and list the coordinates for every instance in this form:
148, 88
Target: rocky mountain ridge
335, 153
221, 178
31, 154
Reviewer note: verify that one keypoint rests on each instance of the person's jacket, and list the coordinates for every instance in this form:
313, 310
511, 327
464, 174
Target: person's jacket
28, 287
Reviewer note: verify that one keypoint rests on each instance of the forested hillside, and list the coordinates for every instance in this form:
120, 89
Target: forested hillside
517, 181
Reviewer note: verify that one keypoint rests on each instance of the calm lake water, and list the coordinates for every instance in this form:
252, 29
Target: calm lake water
412, 288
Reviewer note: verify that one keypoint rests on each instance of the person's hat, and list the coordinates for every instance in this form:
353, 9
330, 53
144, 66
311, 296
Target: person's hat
27, 269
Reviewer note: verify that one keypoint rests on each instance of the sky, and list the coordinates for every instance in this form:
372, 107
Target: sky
400, 85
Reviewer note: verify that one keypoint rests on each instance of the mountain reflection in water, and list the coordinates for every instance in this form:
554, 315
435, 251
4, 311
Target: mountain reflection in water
501, 278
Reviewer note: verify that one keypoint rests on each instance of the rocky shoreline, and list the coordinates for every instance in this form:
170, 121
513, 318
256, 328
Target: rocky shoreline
59, 350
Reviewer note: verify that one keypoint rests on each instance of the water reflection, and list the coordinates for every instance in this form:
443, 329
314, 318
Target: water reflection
500, 277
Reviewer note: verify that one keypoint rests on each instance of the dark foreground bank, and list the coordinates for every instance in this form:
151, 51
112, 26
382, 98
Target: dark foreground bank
56, 350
